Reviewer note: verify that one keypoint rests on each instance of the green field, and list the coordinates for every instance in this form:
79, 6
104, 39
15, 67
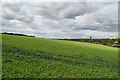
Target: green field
31, 57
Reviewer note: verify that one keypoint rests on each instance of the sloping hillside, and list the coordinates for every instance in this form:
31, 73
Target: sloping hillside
37, 58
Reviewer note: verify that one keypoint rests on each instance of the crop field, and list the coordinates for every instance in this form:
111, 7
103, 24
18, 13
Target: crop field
31, 57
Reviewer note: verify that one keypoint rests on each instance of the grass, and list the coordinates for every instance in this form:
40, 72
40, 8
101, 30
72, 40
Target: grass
30, 57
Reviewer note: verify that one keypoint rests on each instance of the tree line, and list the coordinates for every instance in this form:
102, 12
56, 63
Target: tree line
109, 42
17, 34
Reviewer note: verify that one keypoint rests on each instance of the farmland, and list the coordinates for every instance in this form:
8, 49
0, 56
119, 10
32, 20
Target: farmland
31, 57
108, 42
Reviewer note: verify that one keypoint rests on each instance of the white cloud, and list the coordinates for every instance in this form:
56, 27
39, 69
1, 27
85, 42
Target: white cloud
60, 0
61, 20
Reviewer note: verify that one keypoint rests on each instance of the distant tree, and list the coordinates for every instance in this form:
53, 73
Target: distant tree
90, 37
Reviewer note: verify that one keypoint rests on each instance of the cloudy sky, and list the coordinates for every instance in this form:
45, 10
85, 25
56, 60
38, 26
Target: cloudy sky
61, 19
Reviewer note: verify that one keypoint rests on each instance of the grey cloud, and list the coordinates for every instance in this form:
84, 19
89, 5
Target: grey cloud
59, 20
24, 18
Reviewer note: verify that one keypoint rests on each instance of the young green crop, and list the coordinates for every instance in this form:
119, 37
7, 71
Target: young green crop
21, 63
29, 57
